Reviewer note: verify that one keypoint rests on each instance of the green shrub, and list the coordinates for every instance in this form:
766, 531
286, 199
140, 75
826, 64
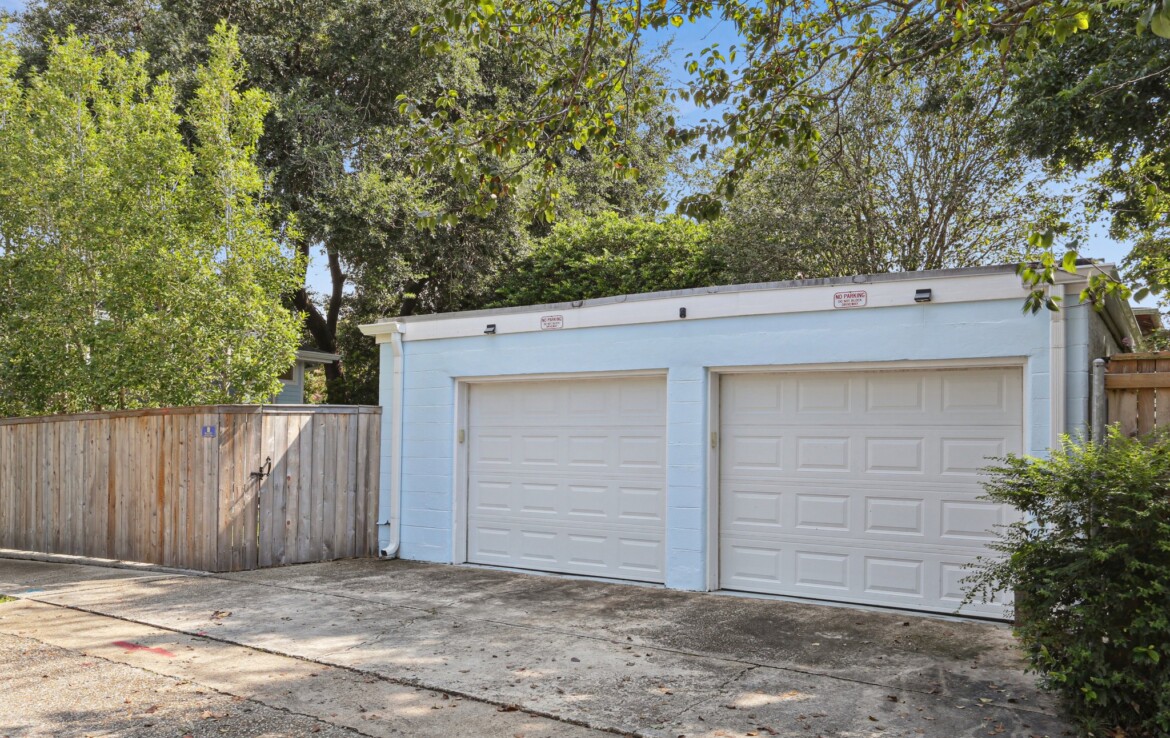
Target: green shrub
611, 255
1090, 565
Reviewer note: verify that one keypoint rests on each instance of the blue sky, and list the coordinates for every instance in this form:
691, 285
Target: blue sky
692, 38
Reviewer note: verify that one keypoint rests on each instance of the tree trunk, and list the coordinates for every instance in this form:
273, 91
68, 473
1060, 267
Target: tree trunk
322, 327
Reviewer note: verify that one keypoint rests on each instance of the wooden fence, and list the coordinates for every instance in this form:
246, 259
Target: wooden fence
1137, 388
218, 488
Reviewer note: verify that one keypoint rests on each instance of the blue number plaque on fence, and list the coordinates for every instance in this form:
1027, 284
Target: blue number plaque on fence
207, 431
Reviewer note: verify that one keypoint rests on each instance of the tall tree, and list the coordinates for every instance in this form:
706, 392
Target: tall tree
342, 168
792, 62
612, 255
332, 77
138, 266
911, 173
1099, 106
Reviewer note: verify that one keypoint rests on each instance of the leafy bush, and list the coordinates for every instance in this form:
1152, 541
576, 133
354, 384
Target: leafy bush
1090, 565
611, 255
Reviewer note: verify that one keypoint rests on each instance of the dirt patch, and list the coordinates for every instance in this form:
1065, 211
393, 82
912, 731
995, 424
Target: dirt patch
770, 631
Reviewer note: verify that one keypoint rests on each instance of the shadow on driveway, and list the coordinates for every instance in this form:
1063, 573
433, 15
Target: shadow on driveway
620, 658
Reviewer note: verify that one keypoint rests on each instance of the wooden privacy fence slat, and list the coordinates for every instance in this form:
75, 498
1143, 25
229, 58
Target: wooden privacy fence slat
1137, 381
1137, 388
181, 486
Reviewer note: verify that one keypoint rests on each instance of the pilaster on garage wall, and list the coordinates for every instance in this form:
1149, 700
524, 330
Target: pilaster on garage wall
686, 478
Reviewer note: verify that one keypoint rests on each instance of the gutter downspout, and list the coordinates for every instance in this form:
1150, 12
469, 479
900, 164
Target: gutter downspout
1097, 422
1057, 361
390, 496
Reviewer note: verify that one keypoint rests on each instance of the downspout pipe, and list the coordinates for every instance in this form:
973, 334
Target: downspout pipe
1057, 365
390, 493
1097, 426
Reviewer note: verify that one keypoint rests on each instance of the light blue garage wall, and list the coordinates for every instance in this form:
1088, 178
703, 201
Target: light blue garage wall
1088, 339
686, 349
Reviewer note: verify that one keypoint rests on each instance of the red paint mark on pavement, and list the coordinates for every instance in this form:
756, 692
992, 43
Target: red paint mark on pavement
139, 647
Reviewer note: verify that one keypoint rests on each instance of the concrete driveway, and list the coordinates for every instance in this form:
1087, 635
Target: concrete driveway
535, 655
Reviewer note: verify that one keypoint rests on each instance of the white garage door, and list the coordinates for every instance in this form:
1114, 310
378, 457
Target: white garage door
569, 476
862, 486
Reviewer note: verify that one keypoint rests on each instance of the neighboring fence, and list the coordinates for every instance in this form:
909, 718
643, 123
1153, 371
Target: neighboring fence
193, 487
1137, 390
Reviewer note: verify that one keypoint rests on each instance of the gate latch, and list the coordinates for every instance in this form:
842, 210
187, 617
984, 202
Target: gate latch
265, 470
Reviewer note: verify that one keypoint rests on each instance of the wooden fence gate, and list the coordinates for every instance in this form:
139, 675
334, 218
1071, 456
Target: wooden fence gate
217, 488
1137, 389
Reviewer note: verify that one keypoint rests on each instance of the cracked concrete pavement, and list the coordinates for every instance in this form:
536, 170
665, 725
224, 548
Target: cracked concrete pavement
583, 655
54, 691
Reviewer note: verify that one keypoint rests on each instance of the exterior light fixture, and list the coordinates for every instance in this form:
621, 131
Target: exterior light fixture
490, 330
922, 296
682, 312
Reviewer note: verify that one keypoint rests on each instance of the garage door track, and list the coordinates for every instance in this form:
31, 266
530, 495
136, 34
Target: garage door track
586, 655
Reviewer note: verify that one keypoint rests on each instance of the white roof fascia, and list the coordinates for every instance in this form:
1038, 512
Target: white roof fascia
947, 286
317, 357
383, 330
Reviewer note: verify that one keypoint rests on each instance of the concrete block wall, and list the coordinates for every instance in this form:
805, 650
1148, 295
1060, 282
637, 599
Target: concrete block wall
687, 350
1088, 338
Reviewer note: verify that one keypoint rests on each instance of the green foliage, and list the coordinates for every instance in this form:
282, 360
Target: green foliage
1039, 274
610, 255
1096, 105
771, 86
1088, 80
315, 391
1090, 565
912, 173
341, 161
137, 268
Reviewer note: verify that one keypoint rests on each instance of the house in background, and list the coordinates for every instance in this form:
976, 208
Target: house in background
1149, 319
293, 392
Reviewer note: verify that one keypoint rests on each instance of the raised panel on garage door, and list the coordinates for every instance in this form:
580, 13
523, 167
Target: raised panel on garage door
569, 476
862, 486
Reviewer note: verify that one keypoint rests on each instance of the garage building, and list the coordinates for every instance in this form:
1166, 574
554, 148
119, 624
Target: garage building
818, 439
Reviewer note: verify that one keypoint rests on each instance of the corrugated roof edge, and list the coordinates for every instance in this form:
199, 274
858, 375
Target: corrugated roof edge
668, 294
